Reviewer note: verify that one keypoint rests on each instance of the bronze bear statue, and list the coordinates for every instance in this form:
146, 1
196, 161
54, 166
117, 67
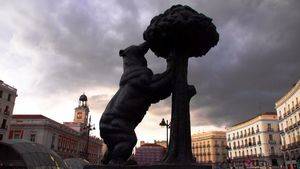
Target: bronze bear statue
138, 89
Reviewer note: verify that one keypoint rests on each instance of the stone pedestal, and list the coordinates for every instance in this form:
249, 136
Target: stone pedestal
157, 166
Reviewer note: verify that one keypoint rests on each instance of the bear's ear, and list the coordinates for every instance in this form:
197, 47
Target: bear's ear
121, 53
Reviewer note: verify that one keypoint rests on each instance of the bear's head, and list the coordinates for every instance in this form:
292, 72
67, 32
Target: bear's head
135, 55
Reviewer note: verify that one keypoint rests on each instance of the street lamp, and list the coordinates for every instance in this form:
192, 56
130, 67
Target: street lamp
89, 127
167, 124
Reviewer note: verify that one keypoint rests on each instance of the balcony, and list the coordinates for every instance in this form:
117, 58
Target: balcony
270, 130
272, 142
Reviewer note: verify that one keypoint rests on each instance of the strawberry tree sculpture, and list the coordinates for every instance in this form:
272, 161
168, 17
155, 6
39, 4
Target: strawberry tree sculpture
178, 34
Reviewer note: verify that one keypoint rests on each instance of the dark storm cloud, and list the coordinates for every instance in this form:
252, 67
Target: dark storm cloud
255, 62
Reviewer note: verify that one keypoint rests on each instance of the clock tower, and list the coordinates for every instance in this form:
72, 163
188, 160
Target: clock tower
82, 111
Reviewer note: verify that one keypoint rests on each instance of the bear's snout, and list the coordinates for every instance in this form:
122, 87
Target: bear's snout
121, 53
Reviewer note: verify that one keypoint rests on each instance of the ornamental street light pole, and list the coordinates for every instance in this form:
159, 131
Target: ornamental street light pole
88, 128
167, 124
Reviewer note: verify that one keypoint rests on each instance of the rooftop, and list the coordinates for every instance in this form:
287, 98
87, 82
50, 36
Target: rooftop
261, 114
287, 95
12, 89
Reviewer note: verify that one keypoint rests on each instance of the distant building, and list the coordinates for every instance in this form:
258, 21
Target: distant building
288, 111
65, 141
149, 153
209, 147
255, 142
162, 143
8, 95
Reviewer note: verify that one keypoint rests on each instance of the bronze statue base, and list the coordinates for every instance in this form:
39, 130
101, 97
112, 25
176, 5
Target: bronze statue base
156, 166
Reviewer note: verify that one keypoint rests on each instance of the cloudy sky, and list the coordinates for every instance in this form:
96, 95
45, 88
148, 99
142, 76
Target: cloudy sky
53, 51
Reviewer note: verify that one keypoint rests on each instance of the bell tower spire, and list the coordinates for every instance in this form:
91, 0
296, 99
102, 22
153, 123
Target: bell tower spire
82, 111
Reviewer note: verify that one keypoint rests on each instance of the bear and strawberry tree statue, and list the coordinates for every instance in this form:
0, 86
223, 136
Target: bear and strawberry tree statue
176, 35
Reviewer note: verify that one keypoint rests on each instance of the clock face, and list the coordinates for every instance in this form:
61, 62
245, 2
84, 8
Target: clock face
79, 115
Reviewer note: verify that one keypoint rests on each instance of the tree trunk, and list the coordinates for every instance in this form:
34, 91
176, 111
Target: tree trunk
179, 149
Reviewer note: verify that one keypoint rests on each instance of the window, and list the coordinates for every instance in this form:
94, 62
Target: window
6, 110
1, 93
270, 137
269, 127
3, 125
52, 141
32, 137
9, 97
260, 151
1, 136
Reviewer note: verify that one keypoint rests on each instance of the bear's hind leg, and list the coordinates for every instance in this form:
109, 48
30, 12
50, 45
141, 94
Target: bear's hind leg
123, 150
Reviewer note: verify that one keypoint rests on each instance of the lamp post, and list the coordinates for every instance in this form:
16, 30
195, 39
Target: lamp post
89, 127
167, 124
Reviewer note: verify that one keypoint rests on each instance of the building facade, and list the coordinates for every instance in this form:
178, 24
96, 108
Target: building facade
68, 140
288, 111
65, 141
149, 153
8, 95
209, 147
255, 142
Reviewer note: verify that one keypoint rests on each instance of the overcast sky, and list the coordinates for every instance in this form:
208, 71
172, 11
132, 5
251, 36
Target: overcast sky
53, 51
